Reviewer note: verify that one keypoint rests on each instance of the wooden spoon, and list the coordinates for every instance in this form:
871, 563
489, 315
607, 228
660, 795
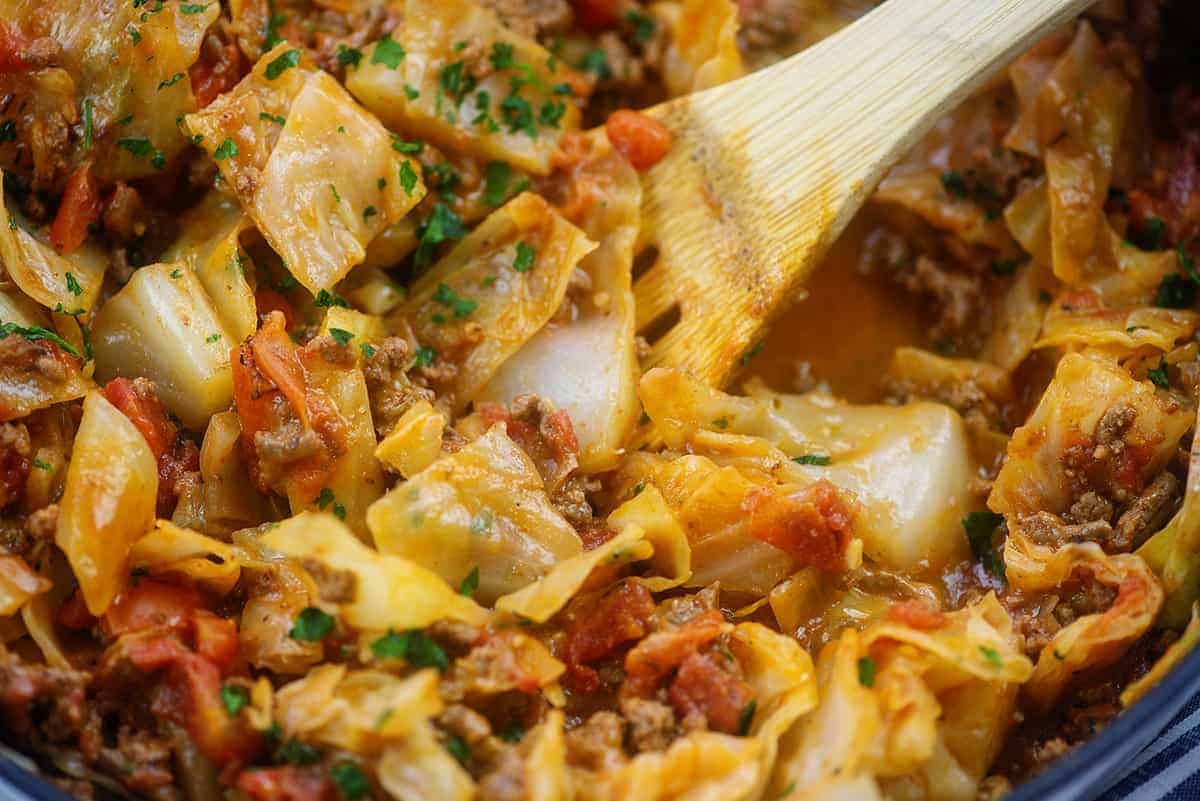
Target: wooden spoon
766, 171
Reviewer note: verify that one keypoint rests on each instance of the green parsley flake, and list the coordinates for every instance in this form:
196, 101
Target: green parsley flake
981, 530
443, 224
312, 625
408, 177
87, 124
512, 733
596, 62
348, 56
73, 286
425, 357
991, 655
415, 647
272, 37
455, 81
211, 338
469, 584
369, 212
388, 52
746, 717
368, 350
1159, 375
40, 465
351, 782
458, 749
227, 149
174, 79
341, 335
192, 8
324, 497
134, 35
339, 511
866, 672
523, 262
499, 174
295, 752
552, 113
411, 92
275, 118
234, 697
462, 307
818, 459
502, 55
326, 299
643, 26
517, 114
282, 64
407, 148
36, 332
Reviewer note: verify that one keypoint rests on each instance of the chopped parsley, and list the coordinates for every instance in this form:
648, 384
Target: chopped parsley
552, 114
341, 335
37, 332
512, 733
1175, 292
351, 782
324, 497
227, 149
408, 177
523, 262
176, 274
498, 176
211, 338
295, 752
174, 79
991, 655
234, 697
281, 64
980, 528
517, 114
502, 55
336, 197
312, 625
192, 8
596, 62
40, 465
470, 583
425, 357
455, 81
746, 717
407, 148
73, 286
369, 212
275, 118
368, 350
1159, 376
326, 299
348, 56
443, 224
388, 52
458, 749
462, 307
750, 353
415, 647
339, 511
143, 148
87, 123
866, 672
954, 184
817, 459
643, 26
134, 35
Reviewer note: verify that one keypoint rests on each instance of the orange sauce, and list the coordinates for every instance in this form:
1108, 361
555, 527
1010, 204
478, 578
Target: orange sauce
843, 331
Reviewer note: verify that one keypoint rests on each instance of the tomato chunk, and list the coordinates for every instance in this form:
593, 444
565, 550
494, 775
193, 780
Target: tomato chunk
656, 656
217, 71
640, 139
917, 614
287, 783
596, 15
80, 207
814, 526
152, 604
707, 685
618, 618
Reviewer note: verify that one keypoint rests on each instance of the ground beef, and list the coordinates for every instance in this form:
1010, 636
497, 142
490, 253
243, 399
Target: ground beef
15, 453
956, 297
1090, 507
598, 744
533, 18
1046, 529
652, 725
1148, 513
389, 387
333, 585
52, 699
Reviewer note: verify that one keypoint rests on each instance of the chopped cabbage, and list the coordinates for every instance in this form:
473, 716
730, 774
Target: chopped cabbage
415, 442
483, 507
170, 550
108, 503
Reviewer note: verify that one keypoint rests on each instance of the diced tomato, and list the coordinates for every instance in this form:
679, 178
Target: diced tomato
145, 411
917, 614
210, 76
80, 207
640, 139
814, 526
287, 783
152, 604
596, 15
267, 363
191, 697
267, 300
619, 617
216, 639
13, 45
14, 470
656, 656
705, 684
74, 614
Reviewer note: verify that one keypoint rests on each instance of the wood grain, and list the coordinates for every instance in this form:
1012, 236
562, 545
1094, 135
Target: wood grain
766, 171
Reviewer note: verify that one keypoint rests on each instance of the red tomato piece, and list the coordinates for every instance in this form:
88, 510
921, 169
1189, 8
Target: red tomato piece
596, 15
705, 684
80, 207
286, 783
640, 139
814, 526
152, 604
619, 617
